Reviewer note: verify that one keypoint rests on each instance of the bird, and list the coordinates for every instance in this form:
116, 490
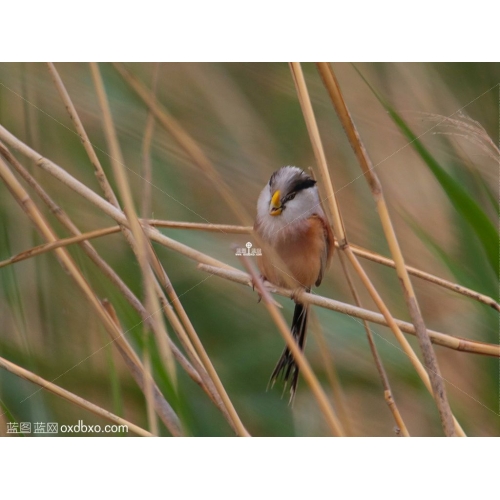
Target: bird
297, 247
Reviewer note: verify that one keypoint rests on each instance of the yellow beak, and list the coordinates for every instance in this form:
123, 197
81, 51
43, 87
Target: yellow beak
275, 207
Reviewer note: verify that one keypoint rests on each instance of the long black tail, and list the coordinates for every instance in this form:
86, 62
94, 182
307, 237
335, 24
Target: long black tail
287, 367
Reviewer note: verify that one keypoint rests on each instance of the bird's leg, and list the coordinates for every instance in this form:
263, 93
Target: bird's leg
269, 286
262, 278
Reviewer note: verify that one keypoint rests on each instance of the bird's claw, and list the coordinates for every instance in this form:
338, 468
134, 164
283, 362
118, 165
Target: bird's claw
269, 286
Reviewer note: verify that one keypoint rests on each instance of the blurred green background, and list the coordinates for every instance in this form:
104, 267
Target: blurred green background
247, 119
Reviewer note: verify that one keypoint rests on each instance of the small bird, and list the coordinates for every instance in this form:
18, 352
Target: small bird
297, 246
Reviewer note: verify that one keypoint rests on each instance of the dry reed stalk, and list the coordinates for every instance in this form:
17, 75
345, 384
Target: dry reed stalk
163, 408
171, 125
95, 257
138, 241
80, 129
297, 353
332, 376
396, 330
201, 226
149, 391
69, 396
90, 195
454, 287
319, 153
189, 338
63, 242
111, 197
63, 176
147, 254
376, 357
339, 231
145, 210
227, 228
430, 359
200, 257
438, 338
147, 174
378, 361
357, 250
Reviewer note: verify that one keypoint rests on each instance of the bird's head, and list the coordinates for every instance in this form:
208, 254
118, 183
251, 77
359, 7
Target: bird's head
289, 196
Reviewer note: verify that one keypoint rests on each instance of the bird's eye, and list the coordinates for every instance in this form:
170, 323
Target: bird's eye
291, 196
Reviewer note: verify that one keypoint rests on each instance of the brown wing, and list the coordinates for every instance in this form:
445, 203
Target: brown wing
327, 253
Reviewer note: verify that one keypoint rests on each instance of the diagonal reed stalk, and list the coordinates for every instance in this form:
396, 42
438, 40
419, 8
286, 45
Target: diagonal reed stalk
198, 157
152, 233
111, 197
218, 266
437, 337
230, 229
199, 256
63, 218
357, 312
147, 173
430, 359
332, 375
189, 145
198, 375
433, 382
145, 210
171, 125
80, 129
349, 249
211, 386
69, 396
164, 410
298, 355
63, 176
388, 396
118, 164
138, 242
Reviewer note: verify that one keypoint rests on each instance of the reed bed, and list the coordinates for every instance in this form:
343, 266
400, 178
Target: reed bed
126, 188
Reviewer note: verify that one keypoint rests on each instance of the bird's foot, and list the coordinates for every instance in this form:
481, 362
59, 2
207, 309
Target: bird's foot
269, 286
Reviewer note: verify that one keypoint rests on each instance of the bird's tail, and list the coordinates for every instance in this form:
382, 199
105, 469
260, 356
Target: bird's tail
287, 367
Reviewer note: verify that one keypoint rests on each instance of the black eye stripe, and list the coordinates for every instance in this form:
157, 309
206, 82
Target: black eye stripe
302, 183
298, 182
